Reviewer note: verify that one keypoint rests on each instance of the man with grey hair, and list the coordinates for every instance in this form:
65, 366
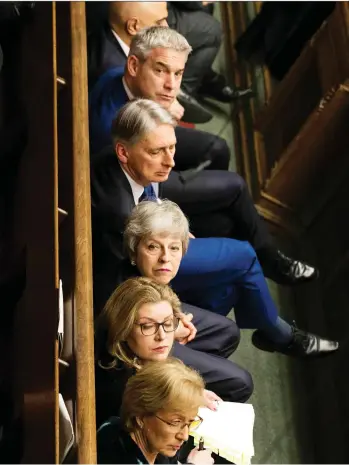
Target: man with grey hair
144, 139
217, 202
109, 44
154, 70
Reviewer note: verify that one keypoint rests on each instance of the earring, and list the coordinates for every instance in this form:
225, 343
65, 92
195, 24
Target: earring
133, 263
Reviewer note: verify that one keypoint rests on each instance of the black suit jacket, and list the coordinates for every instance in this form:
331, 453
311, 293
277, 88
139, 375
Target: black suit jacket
112, 203
115, 445
104, 52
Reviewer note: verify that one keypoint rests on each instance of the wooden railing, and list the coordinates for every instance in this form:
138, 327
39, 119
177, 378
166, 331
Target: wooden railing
293, 153
53, 227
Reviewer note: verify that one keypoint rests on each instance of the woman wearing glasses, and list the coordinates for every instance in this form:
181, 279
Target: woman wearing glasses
137, 326
159, 409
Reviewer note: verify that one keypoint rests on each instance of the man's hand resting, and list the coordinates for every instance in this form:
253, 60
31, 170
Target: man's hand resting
176, 110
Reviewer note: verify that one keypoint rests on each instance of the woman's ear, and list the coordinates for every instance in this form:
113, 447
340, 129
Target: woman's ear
140, 422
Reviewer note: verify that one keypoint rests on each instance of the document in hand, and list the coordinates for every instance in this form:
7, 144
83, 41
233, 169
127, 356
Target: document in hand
228, 431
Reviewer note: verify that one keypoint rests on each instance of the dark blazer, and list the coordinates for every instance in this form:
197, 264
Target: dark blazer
106, 98
115, 445
112, 203
110, 386
104, 52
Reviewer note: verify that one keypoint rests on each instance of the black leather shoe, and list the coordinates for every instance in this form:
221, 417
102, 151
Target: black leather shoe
286, 270
194, 112
302, 345
227, 94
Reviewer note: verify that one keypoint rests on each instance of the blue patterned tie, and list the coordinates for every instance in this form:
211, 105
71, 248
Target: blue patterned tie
148, 194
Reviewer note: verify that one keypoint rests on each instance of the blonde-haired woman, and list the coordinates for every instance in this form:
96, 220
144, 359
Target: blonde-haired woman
138, 325
159, 409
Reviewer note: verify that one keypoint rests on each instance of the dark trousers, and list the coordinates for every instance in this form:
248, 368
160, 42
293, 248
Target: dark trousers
217, 337
204, 34
194, 146
218, 204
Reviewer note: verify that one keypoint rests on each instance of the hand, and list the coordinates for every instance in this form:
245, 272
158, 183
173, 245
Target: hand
207, 3
191, 236
186, 331
211, 399
199, 457
176, 110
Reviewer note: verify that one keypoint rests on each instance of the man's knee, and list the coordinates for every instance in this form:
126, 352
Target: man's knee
239, 388
244, 388
237, 182
236, 385
229, 337
211, 29
220, 154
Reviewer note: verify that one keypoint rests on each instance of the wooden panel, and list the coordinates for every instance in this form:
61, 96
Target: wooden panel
235, 20
75, 233
313, 165
320, 68
84, 333
36, 323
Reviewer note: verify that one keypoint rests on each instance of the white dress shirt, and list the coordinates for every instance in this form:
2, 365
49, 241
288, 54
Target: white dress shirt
125, 47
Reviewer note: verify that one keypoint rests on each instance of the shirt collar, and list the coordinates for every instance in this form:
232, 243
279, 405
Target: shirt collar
127, 89
137, 189
123, 45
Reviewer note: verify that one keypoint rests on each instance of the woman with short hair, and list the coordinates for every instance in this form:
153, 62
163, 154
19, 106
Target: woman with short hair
159, 409
157, 239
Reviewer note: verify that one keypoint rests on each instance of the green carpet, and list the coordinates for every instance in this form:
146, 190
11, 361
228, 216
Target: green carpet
280, 434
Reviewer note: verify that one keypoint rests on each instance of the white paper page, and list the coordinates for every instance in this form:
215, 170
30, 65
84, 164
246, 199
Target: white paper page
228, 431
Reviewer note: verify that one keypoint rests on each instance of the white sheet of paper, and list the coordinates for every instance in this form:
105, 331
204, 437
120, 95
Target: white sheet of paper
228, 431
66, 431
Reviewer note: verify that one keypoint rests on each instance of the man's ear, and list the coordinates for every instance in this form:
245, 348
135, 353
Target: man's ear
132, 65
132, 26
121, 153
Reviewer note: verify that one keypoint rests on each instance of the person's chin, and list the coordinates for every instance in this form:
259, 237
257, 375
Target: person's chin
159, 357
164, 102
169, 452
162, 279
161, 177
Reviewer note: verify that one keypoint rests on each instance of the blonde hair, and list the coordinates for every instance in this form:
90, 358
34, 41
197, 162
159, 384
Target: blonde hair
158, 37
165, 385
149, 218
117, 319
136, 119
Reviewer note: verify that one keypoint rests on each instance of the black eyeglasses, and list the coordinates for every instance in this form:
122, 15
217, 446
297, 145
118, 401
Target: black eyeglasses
149, 329
180, 425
